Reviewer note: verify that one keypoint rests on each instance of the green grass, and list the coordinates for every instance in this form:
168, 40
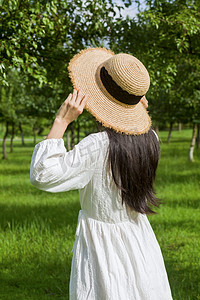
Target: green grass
36, 235
37, 228
177, 224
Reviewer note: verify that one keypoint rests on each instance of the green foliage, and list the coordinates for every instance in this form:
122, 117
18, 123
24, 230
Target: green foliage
12, 98
165, 36
40, 37
38, 40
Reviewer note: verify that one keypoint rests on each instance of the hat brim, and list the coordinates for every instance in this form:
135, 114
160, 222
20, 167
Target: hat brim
84, 72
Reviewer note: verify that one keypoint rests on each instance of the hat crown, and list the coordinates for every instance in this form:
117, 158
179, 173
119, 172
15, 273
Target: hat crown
129, 73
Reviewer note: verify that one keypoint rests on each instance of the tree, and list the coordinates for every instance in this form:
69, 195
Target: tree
12, 111
40, 37
165, 37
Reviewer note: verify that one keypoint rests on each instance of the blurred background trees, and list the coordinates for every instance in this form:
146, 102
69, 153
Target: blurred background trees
38, 38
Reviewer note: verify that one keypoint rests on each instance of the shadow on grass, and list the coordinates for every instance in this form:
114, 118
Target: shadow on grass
181, 225
16, 161
48, 215
176, 178
186, 203
36, 280
32, 277
51, 280
18, 171
184, 281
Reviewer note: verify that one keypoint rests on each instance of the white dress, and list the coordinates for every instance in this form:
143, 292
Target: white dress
116, 255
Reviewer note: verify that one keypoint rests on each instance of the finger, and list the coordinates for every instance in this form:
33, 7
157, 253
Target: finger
62, 110
74, 95
68, 99
79, 97
83, 102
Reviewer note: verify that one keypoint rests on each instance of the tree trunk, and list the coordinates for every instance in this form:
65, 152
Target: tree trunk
34, 137
12, 137
191, 158
4, 141
72, 136
68, 140
170, 132
179, 127
22, 133
197, 138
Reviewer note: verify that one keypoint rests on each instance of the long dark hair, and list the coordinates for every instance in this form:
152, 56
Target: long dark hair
133, 161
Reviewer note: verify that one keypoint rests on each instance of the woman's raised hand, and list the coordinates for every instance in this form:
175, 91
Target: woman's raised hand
71, 108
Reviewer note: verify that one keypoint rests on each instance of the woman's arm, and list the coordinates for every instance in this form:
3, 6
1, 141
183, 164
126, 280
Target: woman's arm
71, 108
53, 169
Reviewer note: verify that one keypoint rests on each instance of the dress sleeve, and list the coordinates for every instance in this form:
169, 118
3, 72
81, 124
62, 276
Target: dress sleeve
53, 169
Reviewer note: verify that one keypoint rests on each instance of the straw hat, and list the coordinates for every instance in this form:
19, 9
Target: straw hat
115, 84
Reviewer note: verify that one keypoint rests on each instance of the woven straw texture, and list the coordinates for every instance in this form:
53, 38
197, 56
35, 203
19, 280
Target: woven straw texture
128, 72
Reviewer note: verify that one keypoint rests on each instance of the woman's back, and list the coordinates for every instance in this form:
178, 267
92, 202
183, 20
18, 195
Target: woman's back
100, 198
117, 244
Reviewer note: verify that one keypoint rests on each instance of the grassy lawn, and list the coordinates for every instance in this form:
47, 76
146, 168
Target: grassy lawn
37, 228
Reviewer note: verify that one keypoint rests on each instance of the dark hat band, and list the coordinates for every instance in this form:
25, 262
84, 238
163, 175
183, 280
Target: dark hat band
116, 91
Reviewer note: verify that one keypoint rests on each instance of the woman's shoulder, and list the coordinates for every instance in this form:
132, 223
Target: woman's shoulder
100, 136
93, 146
97, 138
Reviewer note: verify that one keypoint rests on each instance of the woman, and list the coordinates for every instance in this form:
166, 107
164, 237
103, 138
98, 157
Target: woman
116, 254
